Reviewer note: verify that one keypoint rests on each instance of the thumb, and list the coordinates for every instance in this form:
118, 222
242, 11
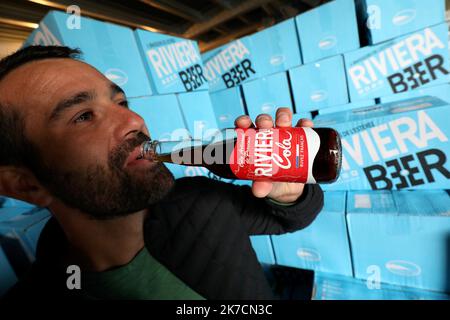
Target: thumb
261, 189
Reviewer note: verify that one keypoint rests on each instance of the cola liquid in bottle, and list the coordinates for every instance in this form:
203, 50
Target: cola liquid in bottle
293, 154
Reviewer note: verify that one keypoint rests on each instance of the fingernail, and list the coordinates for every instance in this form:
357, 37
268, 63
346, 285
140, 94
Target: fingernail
243, 118
262, 117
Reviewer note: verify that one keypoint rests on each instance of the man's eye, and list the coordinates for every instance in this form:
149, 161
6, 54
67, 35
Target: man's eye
87, 116
124, 103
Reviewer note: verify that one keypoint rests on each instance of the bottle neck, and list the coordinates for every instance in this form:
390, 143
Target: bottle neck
154, 149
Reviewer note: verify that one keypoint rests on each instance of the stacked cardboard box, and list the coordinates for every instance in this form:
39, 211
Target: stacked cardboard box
109, 48
406, 53
322, 246
374, 245
19, 232
252, 73
396, 145
325, 33
389, 100
181, 108
401, 237
336, 287
287, 65
419, 59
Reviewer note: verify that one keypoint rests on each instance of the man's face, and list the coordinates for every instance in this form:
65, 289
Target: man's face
87, 138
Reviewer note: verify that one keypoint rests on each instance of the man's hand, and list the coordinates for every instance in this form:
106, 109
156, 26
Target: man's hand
279, 191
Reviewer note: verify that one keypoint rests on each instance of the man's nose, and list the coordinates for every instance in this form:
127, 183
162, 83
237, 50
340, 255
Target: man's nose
128, 123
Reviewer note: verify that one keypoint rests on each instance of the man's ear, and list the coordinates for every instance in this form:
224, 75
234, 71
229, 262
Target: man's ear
20, 183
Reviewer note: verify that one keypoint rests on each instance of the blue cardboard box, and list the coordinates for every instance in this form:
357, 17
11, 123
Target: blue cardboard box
164, 120
208, 54
382, 20
173, 64
190, 171
110, 48
8, 213
11, 202
447, 15
27, 227
328, 30
396, 145
337, 287
263, 249
401, 237
228, 104
302, 115
230, 65
276, 49
348, 106
400, 65
162, 116
267, 94
7, 275
319, 84
322, 246
198, 113
269, 51
441, 91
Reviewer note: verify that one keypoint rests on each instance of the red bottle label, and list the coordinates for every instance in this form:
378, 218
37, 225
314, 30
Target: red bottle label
276, 154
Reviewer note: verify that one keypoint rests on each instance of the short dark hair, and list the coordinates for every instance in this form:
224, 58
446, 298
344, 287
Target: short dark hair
15, 148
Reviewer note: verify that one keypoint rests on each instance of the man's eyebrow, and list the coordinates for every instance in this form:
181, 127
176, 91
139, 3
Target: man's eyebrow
70, 102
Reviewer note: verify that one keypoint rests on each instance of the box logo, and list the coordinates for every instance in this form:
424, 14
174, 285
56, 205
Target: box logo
180, 59
308, 254
318, 95
231, 64
224, 117
327, 42
277, 60
404, 17
403, 268
117, 76
267, 107
405, 65
371, 143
